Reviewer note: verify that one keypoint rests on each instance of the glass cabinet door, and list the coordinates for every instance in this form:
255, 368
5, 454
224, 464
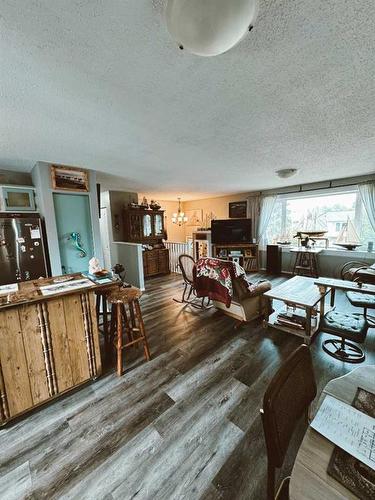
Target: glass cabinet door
135, 227
158, 225
147, 226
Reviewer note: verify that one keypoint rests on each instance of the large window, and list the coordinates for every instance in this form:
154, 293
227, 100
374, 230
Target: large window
314, 212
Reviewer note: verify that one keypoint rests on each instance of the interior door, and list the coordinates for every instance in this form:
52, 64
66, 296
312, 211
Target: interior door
74, 230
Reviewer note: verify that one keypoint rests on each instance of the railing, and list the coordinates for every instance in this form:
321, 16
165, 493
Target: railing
175, 250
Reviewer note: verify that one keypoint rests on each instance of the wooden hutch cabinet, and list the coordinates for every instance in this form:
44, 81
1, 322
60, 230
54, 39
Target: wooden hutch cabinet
147, 227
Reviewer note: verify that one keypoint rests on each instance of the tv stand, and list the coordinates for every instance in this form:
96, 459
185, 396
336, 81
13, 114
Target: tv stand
246, 254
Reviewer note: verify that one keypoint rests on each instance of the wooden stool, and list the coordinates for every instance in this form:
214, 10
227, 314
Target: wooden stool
125, 326
305, 264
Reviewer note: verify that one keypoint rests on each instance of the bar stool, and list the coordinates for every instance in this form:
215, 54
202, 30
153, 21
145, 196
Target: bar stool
132, 327
349, 327
365, 300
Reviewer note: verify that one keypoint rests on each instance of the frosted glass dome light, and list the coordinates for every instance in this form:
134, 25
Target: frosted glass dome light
209, 27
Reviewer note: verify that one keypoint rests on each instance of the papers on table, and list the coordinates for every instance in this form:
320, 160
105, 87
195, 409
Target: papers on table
348, 428
65, 287
5, 289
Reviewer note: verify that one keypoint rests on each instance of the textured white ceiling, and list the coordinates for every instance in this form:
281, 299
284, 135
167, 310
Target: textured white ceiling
100, 84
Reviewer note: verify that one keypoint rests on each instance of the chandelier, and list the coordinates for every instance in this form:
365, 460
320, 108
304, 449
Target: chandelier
179, 217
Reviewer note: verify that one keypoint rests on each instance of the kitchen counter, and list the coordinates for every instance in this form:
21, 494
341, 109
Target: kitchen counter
49, 340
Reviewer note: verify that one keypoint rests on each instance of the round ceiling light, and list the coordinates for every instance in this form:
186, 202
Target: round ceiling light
284, 173
209, 27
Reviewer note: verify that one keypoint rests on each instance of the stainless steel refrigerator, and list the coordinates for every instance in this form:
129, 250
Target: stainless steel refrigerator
22, 248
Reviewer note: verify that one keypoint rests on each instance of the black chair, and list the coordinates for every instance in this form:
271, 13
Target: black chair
287, 399
349, 327
364, 300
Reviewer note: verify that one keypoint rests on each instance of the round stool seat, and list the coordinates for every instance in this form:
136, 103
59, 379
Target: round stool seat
124, 295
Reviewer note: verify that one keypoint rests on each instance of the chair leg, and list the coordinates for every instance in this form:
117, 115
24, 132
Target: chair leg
270, 482
142, 329
105, 319
119, 340
132, 324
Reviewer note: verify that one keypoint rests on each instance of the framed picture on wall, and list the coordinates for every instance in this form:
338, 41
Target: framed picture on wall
238, 210
195, 217
69, 178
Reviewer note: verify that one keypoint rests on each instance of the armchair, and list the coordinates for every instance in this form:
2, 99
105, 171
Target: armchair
358, 271
225, 283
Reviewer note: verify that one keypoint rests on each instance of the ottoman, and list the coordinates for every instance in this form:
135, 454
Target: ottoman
349, 327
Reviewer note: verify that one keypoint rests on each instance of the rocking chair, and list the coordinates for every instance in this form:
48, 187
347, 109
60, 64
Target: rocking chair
187, 263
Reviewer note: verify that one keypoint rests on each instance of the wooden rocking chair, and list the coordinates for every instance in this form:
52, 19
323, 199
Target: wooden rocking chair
187, 263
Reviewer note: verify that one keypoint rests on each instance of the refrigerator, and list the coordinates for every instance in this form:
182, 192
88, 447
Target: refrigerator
22, 248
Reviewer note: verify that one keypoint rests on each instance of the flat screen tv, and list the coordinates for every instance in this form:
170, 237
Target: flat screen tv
231, 231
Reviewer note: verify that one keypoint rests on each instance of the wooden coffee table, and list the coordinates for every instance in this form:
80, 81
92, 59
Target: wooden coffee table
299, 293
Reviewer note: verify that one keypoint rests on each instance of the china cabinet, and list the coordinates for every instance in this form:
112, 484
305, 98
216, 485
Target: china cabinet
147, 227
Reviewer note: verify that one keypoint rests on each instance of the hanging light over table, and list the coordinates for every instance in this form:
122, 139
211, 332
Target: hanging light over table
179, 217
210, 27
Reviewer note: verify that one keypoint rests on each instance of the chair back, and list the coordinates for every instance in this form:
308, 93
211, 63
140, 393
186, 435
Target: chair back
285, 401
187, 263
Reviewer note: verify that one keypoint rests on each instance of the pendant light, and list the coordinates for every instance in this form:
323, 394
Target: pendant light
179, 217
210, 27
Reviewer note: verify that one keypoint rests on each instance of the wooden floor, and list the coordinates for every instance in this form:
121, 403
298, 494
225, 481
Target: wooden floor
184, 425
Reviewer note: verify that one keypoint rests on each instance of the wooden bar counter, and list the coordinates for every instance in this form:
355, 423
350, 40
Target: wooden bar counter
49, 344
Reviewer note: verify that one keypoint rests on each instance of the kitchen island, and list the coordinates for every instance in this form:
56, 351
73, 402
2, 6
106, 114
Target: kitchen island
49, 341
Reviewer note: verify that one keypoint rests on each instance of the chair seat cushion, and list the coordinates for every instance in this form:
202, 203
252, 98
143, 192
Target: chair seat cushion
348, 326
358, 299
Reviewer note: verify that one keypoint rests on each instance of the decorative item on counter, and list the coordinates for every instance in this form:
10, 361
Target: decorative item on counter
370, 246
94, 266
155, 205
144, 203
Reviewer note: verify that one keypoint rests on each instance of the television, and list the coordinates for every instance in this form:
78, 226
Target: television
231, 231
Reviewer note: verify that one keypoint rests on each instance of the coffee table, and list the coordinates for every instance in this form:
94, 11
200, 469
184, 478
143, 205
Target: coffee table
299, 292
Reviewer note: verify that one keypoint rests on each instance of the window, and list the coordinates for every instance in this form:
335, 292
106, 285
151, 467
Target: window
326, 212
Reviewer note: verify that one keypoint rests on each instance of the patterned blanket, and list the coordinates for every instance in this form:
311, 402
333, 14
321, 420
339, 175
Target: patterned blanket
214, 277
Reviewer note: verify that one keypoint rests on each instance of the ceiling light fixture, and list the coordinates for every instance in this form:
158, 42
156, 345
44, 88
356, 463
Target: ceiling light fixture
179, 217
284, 173
210, 27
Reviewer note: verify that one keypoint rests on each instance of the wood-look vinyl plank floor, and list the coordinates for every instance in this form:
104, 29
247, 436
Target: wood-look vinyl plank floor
184, 425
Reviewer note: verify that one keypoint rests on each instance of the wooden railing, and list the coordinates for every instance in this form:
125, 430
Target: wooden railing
175, 250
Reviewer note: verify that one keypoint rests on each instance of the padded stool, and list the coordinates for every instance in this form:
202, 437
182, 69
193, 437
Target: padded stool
365, 300
349, 327
124, 301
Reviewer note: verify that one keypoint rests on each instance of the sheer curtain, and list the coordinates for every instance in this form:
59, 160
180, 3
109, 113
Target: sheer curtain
267, 204
367, 193
253, 212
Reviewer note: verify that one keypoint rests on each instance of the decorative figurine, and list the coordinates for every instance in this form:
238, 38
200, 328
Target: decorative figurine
155, 205
94, 266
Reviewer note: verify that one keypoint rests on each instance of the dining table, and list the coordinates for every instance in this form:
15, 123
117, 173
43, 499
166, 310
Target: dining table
309, 478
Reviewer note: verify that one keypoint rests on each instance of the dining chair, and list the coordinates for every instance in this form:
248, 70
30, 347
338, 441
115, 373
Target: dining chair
286, 400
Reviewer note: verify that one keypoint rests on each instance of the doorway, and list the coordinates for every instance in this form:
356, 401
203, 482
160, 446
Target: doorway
74, 229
